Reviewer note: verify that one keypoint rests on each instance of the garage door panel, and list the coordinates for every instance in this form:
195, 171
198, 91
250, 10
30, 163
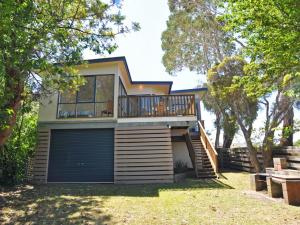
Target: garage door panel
85, 155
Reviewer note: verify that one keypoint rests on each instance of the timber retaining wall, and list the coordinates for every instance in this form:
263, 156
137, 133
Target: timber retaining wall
239, 158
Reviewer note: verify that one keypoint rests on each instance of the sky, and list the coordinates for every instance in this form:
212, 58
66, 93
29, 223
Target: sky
143, 53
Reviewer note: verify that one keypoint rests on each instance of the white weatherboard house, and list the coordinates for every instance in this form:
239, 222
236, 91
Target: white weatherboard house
115, 130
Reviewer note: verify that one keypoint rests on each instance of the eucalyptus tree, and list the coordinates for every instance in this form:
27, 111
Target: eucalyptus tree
48, 37
222, 80
227, 81
194, 39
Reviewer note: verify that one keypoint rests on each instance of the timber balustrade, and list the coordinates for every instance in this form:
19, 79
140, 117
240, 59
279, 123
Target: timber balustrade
156, 105
209, 148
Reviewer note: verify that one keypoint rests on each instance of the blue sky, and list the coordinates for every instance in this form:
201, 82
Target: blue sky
143, 52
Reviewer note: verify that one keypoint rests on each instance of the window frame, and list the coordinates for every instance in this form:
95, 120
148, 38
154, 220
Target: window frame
121, 87
76, 103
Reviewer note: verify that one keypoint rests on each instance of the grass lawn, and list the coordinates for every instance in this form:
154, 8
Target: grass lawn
226, 201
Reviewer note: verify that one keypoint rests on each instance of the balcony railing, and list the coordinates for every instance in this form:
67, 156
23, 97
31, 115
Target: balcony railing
156, 106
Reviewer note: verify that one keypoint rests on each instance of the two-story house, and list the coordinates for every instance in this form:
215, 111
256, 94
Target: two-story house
117, 130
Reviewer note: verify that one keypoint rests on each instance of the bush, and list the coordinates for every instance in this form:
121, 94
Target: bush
180, 167
20, 147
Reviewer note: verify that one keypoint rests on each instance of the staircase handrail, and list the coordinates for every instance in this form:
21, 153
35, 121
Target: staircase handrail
209, 148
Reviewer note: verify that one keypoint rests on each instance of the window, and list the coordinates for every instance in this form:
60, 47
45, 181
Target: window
86, 92
94, 99
122, 99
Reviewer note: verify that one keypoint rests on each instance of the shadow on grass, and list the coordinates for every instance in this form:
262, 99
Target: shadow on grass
47, 205
80, 203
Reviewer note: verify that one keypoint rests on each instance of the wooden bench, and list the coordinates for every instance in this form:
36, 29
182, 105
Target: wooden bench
284, 186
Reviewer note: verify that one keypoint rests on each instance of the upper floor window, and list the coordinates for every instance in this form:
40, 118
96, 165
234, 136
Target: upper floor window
94, 99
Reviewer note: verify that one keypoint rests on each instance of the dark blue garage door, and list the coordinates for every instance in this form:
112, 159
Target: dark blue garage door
81, 155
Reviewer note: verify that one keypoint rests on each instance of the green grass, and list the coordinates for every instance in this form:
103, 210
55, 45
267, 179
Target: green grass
193, 202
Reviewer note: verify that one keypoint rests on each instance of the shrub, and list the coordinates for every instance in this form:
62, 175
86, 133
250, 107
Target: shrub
20, 147
180, 167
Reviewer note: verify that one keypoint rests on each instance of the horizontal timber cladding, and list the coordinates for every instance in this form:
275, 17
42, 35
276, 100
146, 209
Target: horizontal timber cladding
40, 160
143, 155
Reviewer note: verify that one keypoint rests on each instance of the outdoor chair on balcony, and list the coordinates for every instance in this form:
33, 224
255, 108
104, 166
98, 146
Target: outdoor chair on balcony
161, 109
109, 109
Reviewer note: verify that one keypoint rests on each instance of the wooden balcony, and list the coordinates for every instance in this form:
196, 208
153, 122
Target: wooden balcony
156, 106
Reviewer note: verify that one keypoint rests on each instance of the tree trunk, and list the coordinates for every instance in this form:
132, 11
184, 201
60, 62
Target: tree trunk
229, 129
218, 126
11, 122
14, 87
227, 139
251, 149
253, 156
267, 149
288, 124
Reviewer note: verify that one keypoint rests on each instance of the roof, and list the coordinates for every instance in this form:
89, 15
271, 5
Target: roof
123, 59
189, 90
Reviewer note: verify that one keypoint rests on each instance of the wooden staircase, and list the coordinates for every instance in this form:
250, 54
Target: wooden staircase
203, 167
202, 153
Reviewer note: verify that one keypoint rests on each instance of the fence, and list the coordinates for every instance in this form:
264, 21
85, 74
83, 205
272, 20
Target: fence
239, 158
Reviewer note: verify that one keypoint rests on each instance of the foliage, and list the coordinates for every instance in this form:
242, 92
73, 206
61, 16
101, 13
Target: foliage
270, 29
224, 118
194, 38
180, 167
222, 79
201, 35
20, 147
48, 38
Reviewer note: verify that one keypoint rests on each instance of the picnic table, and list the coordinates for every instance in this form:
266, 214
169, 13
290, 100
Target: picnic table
279, 183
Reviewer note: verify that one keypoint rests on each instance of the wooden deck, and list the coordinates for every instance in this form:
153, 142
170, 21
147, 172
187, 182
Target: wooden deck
156, 106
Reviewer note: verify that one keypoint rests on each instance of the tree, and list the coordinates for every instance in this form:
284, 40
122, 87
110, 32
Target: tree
269, 29
48, 38
194, 38
287, 127
20, 147
227, 82
275, 113
222, 80
230, 128
224, 118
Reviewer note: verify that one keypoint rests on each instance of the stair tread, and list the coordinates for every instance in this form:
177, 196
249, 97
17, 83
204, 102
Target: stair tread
206, 172
204, 168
